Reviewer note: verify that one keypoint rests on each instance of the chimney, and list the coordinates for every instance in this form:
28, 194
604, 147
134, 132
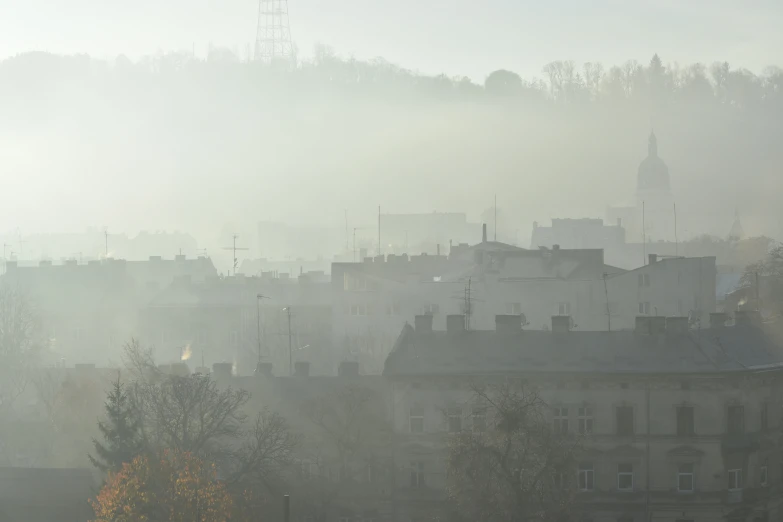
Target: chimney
718, 319
455, 323
676, 325
747, 318
657, 324
561, 323
508, 324
642, 325
438, 250
348, 369
264, 369
222, 371
423, 323
484, 233
301, 369
652, 259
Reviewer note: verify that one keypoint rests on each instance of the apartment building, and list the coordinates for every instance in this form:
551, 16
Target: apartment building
678, 425
89, 310
373, 299
240, 319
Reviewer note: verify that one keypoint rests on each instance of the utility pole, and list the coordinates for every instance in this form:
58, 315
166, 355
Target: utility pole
234, 249
380, 251
608, 308
106, 242
346, 229
468, 305
644, 239
258, 323
290, 349
758, 293
676, 242
354, 242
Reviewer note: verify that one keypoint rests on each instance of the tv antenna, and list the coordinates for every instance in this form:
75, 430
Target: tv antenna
273, 33
234, 248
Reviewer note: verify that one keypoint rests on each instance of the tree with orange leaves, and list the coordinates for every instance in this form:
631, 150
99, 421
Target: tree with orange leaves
178, 487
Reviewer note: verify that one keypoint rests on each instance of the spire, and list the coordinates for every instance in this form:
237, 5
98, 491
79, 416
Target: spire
652, 145
736, 232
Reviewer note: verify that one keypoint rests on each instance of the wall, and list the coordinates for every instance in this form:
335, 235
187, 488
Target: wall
707, 449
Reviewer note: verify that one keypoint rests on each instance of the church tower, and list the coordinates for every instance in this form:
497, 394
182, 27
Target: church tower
653, 195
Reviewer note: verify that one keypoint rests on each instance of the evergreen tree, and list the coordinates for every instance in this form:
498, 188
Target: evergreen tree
121, 432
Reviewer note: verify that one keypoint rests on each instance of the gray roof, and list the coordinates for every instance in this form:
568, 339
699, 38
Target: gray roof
725, 349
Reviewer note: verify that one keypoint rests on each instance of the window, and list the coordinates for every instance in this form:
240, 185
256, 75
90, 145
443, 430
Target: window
307, 469
644, 280
431, 309
644, 308
685, 478
564, 308
417, 419
455, 419
763, 474
586, 477
624, 420
514, 308
393, 309
585, 420
417, 475
561, 420
354, 282
479, 419
764, 416
358, 309
625, 477
685, 421
735, 479
233, 338
735, 419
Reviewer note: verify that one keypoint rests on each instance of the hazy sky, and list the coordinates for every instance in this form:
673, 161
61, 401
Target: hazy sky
452, 36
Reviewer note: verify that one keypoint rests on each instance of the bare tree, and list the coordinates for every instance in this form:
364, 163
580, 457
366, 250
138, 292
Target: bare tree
267, 451
20, 344
194, 414
349, 435
517, 468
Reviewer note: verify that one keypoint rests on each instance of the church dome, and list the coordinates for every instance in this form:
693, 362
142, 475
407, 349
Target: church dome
653, 171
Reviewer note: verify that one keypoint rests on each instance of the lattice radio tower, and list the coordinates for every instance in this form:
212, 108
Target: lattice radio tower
273, 35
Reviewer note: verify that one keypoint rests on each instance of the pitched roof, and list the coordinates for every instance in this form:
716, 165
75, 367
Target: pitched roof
626, 352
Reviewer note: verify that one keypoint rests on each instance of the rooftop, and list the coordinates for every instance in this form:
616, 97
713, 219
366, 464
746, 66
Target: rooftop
744, 347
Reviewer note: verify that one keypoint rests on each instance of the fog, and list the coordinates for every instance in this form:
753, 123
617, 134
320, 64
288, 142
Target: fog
91, 143
440, 231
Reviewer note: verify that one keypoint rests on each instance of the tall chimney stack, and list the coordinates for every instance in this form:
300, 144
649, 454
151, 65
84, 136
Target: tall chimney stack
484, 233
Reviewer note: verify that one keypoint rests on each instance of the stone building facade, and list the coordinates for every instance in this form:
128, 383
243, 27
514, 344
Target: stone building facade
678, 425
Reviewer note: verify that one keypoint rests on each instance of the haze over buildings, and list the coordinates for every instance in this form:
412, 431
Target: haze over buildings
512, 270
